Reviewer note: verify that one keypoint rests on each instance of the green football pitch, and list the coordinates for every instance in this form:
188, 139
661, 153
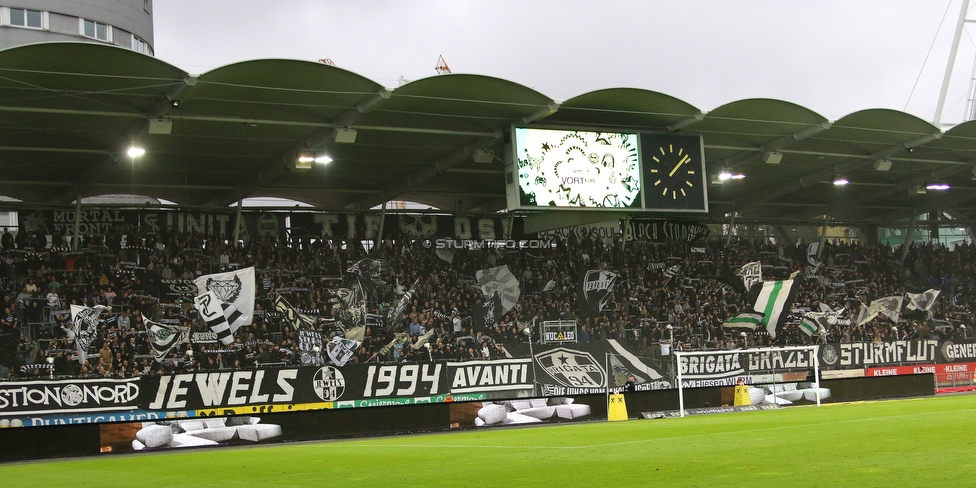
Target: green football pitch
914, 442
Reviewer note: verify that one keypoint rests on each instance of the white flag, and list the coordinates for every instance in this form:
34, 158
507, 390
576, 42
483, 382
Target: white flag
922, 301
232, 288
222, 318
751, 274
888, 306
163, 337
341, 350
86, 327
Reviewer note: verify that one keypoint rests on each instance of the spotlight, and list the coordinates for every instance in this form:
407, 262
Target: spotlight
840, 181
135, 151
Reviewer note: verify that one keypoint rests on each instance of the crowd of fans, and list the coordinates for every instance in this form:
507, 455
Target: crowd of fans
667, 293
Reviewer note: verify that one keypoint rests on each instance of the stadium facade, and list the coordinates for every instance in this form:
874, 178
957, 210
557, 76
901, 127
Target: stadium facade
124, 23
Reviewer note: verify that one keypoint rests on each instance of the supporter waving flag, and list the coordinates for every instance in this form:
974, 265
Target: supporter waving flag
85, 320
744, 322
499, 280
918, 306
751, 274
773, 299
349, 302
375, 273
222, 318
810, 325
164, 337
487, 314
235, 288
889, 306
341, 350
395, 313
593, 291
296, 319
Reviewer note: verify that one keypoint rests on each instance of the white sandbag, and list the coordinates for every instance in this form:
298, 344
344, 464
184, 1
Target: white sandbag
791, 396
216, 434
155, 435
492, 413
538, 402
520, 405
191, 425
541, 413
756, 395
517, 418
187, 440
137, 446
214, 422
258, 432
810, 394
572, 411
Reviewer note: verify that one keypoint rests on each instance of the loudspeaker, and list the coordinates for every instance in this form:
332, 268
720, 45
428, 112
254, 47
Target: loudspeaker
882, 164
773, 157
345, 135
483, 156
160, 125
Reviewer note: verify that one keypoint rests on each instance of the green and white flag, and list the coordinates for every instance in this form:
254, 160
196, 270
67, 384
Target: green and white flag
744, 322
773, 300
809, 326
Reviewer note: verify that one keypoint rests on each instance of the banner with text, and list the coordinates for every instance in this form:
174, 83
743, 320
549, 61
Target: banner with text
79, 395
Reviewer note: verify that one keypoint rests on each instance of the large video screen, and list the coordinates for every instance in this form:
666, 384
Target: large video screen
578, 169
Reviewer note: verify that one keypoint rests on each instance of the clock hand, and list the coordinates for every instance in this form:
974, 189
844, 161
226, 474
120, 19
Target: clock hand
675, 169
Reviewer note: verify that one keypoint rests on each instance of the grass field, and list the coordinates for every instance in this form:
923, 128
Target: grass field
916, 442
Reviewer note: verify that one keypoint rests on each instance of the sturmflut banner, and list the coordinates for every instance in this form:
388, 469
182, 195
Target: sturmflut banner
870, 354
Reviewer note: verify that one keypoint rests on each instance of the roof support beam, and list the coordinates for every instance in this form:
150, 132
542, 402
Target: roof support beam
425, 173
902, 186
116, 151
313, 142
953, 198
687, 121
802, 182
776, 144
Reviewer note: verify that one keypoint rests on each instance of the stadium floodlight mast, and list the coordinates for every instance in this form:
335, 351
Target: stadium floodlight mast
678, 355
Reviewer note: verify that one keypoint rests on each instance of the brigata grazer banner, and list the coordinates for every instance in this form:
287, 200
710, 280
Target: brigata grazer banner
754, 366
18, 398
